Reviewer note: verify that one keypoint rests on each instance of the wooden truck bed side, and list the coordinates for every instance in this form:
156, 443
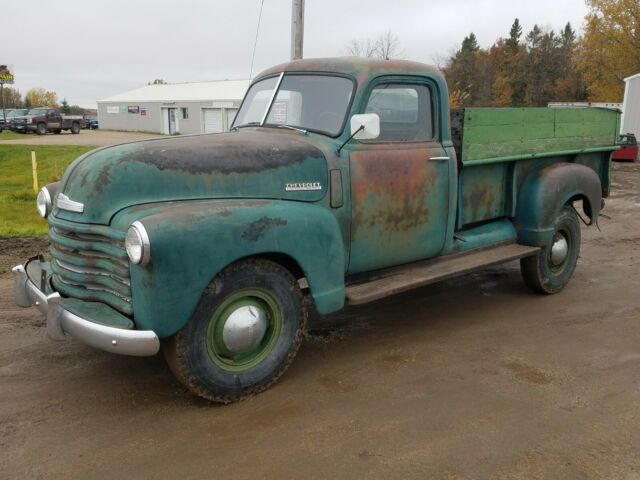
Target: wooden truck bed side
498, 147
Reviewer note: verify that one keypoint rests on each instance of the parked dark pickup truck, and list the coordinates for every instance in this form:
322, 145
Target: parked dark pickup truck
342, 181
42, 120
11, 114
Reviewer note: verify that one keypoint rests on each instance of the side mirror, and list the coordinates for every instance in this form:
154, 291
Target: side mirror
369, 125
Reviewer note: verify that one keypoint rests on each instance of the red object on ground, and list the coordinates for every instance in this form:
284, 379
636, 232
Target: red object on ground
629, 150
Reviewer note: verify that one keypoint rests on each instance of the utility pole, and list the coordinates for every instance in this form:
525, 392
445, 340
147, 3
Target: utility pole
4, 112
297, 28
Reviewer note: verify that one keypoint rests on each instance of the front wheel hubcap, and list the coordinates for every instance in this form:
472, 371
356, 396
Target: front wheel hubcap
559, 250
244, 329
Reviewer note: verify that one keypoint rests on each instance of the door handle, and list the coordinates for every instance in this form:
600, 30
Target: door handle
440, 159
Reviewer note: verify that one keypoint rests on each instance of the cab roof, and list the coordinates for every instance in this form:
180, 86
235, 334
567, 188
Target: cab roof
361, 68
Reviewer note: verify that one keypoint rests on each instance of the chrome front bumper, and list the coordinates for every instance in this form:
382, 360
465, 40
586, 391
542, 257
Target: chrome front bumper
61, 322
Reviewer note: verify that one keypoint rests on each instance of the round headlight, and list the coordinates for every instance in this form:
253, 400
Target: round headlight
137, 244
43, 202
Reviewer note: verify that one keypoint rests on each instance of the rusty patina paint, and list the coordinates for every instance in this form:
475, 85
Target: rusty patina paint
244, 164
545, 192
397, 197
192, 241
483, 193
256, 229
210, 200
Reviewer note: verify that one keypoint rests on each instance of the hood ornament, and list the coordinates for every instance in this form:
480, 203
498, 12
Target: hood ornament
65, 203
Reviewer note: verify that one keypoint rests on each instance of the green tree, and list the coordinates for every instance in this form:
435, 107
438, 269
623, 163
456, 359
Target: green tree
569, 85
157, 81
462, 70
514, 35
64, 106
543, 66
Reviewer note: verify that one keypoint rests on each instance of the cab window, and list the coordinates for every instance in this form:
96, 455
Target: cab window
405, 112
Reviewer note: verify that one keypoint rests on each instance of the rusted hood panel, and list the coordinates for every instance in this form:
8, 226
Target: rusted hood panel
252, 163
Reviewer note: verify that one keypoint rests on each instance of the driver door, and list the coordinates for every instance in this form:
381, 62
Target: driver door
53, 120
399, 181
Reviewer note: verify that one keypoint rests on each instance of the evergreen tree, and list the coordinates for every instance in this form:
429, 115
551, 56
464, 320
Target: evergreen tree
514, 35
462, 70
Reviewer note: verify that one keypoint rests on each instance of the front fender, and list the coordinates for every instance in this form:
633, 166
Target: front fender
191, 242
545, 192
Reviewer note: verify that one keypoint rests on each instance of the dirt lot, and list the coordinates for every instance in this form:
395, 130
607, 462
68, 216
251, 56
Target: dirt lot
471, 379
91, 138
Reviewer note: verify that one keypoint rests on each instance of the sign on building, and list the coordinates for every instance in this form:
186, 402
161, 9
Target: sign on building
6, 74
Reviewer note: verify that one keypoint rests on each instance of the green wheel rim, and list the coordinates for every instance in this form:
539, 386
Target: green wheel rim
220, 354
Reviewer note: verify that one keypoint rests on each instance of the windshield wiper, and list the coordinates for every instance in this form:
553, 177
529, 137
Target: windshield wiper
250, 124
289, 127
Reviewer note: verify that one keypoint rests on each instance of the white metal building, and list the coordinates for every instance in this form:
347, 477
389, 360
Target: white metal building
198, 107
631, 106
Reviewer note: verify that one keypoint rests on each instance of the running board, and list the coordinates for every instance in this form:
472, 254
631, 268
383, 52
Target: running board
414, 275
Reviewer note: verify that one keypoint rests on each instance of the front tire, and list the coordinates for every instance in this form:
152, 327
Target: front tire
75, 128
244, 334
551, 269
41, 129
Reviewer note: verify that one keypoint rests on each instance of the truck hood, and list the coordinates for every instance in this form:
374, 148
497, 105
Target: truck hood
251, 163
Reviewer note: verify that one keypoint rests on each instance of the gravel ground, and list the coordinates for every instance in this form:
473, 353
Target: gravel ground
470, 379
95, 138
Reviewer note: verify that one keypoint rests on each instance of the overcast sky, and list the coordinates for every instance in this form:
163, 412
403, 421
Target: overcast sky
87, 50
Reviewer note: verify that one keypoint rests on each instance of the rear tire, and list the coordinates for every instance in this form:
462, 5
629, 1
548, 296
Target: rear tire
218, 355
41, 129
75, 128
551, 269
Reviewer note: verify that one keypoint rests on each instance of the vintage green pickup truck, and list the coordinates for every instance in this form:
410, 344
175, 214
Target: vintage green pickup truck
342, 181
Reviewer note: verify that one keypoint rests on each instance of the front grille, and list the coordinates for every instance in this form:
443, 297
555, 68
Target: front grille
90, 263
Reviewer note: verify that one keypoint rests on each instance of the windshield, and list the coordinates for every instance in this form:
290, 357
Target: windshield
16, 113
311, 102
37, 111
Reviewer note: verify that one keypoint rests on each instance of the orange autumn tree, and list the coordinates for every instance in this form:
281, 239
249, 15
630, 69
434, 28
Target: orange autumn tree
610, 49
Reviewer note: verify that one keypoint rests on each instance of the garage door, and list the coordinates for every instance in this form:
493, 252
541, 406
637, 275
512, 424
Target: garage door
212, 120
231, 114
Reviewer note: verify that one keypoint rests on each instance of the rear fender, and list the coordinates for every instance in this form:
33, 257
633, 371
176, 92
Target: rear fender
191, 242
543, 195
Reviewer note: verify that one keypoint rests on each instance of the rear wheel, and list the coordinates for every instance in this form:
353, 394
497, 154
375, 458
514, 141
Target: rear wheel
243, 335
75, 128
551, 269
41, 129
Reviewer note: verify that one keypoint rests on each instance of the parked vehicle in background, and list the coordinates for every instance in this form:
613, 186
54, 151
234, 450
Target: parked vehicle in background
90, 122
42, 120
11, 113
343, 181
628, 150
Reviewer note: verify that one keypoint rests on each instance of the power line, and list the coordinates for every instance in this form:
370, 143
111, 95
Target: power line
255, 43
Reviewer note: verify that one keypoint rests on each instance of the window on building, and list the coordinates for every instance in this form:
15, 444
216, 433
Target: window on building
185, 113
